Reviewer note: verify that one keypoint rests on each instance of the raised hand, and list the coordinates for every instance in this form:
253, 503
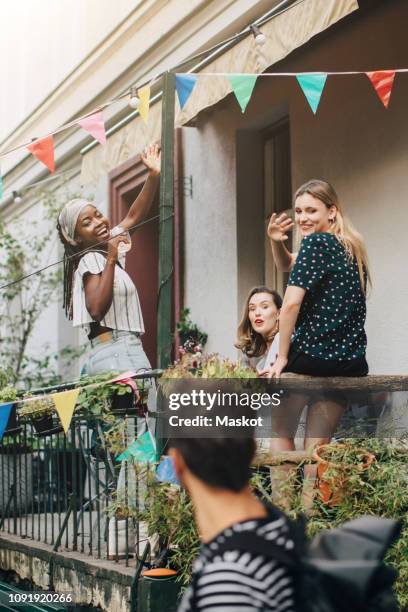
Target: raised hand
151, 158
279, 226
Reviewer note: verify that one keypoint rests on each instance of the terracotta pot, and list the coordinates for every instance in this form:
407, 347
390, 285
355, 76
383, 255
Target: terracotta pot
331, 494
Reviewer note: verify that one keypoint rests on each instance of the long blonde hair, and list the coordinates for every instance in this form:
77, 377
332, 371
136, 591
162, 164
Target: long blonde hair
341, 227
249, 341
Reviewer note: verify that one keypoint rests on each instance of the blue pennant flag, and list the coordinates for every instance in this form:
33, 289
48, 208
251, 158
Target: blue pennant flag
165, 471
184, 86
5, 410
312, 86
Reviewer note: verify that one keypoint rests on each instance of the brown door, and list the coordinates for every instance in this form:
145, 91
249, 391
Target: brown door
126, 182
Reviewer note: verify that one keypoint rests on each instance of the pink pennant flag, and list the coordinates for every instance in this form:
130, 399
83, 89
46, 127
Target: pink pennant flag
95, 125
382, 81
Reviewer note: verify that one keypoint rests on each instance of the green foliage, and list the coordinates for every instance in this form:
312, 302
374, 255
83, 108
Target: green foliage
189, 333
169, 513
25, 248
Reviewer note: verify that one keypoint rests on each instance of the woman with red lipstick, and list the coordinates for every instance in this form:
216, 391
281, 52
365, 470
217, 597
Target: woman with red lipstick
258, 335
99, 295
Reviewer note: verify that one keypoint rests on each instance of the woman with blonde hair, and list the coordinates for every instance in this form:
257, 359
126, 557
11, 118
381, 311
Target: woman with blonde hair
321, 323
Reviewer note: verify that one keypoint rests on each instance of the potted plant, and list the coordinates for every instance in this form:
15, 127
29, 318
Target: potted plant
336, 464
40, 412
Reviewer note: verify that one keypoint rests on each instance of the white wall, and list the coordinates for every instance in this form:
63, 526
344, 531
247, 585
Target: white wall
353, 142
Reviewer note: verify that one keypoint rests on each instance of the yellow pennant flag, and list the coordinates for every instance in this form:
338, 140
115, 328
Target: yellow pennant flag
65, 405
144, 104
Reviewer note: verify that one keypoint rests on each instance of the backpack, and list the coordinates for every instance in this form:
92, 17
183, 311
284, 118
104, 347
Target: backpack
339, 570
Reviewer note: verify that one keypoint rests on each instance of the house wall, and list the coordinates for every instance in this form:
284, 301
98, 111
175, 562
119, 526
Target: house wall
353, 142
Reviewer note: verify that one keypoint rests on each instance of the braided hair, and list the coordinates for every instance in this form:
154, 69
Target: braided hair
71, 261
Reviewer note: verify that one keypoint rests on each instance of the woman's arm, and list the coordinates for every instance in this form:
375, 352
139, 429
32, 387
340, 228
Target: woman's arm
287, 320
99, 287
140, 207
277, 232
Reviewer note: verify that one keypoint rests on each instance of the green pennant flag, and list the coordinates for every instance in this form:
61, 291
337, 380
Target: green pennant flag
312, 86
142, 450
243, 86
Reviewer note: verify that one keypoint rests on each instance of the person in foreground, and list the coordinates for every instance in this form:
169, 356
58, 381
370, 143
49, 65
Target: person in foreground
230, 573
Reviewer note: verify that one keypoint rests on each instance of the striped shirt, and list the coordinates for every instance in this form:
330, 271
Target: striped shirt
242, 581
124, 313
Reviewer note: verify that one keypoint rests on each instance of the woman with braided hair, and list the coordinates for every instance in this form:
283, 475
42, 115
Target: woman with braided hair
99, 295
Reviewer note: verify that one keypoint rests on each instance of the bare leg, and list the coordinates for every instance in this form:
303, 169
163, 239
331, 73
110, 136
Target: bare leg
285, 420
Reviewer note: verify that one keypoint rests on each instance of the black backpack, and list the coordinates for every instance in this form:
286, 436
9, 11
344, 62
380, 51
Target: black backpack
339, 570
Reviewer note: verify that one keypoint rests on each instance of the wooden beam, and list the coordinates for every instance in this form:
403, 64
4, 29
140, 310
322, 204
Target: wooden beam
166, 229
375, 382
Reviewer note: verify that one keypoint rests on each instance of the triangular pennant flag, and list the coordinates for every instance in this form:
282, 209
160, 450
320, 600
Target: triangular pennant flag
65, 405
5, 410
144, 104
95, 125
43, 150
312, 86
184, 86
242, 86
382, 81
142, 450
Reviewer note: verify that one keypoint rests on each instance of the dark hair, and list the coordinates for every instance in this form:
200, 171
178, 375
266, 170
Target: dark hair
70, 265
249, 341
219, 462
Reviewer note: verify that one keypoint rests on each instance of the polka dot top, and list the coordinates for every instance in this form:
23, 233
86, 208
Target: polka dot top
331, 320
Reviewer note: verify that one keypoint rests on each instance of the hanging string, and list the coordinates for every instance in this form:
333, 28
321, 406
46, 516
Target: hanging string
80, 253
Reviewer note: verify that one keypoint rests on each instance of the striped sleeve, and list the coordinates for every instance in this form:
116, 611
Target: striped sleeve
94, 263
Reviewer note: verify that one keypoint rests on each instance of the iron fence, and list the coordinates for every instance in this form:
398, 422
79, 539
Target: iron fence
69, 490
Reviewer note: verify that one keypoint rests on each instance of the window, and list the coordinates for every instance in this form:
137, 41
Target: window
278, 193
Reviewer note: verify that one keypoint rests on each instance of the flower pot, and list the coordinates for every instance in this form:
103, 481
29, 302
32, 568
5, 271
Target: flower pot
44, 425
158, 590
331, 493
117, 538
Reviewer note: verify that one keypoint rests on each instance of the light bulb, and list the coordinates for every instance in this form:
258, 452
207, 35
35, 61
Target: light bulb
17, 197
260, 38
134, 100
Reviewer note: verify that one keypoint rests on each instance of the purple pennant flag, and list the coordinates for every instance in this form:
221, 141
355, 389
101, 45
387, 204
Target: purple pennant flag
5, 410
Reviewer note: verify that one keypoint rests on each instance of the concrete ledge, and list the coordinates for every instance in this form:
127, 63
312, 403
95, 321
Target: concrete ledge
93, 581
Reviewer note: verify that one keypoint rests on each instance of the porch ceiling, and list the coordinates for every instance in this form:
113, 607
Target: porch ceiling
284, 33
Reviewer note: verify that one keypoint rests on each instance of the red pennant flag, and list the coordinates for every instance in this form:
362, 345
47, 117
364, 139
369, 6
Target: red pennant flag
95, 125
382, 81
43, 150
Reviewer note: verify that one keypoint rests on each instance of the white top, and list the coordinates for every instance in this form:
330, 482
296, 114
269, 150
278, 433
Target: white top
263, 361
124, 312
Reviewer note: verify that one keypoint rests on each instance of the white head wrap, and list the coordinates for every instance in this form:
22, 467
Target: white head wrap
68, 218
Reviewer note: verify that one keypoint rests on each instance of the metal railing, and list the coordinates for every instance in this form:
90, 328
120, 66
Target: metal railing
69, 491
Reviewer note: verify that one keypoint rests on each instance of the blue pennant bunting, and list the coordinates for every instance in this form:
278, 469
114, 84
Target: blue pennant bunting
5, 410
184, 86
312, 86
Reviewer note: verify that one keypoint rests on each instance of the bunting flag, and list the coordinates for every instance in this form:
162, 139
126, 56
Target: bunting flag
382, 81
242, 86
165, 471
142, 450
144, 104
65, 405
312, 86
43, 150
184, 86
5, 410
95, 125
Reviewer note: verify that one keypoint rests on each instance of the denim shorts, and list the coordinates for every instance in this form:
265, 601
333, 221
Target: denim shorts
123, 353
